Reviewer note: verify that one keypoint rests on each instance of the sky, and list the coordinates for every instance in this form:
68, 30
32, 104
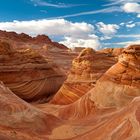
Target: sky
75, 23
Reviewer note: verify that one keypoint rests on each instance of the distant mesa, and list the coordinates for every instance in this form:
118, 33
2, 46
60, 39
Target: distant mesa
23, 39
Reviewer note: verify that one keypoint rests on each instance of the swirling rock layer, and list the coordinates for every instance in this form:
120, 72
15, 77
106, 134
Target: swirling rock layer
121, 83
86, 69
110, 111
28, 74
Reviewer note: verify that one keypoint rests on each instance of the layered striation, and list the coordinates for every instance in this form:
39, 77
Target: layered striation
86, 69
121, 83
20, 120
110, 111
28, 74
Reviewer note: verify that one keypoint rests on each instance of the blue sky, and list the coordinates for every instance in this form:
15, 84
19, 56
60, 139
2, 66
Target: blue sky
90, 23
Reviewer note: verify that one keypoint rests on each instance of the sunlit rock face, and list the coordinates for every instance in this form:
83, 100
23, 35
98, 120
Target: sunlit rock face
86, 69
121, 83
28, 74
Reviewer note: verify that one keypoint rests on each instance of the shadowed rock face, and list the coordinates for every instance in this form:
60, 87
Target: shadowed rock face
28, 74
123, 79
86, 69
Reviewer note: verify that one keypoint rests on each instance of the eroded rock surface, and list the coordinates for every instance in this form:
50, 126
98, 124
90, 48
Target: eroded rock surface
86, 69
28, 74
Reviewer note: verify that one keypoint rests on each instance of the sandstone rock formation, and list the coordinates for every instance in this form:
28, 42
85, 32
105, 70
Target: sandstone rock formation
20, 120
109, 111
86, 69
28, 74
51, 50
121, 83
112, 51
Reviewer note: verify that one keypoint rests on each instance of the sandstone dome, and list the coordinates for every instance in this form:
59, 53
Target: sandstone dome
121, 83
86, 69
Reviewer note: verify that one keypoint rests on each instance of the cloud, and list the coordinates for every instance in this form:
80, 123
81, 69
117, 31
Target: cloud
105, 10
131, 25
138, 16
131, 8
120, 44
92, 42
74, 33
128, 6
119, 2
132, 36
107, 29
50, 27
59, 5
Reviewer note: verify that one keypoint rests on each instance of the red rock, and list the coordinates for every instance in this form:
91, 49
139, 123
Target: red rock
121, 83
112, 51
110, 111
24, 39
86, 69
28, 74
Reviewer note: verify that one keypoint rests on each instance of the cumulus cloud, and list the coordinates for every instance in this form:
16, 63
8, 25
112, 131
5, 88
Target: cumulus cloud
118, 2
107, 29
91, 41
132, 8
50, 27
79, 33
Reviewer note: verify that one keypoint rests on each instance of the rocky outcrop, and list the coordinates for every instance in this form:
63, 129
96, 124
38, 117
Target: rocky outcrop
112, 51
28, 74
86, 69
20, 120
121, 83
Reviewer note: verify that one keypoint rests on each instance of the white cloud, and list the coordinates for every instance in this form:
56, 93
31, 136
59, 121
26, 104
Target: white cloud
131, 25
127, 36
105, 37
92, 42
131, 8
138, 15
122, 24
105, 10
119, 2
47, 4
74, 33
107, 29
49, 27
